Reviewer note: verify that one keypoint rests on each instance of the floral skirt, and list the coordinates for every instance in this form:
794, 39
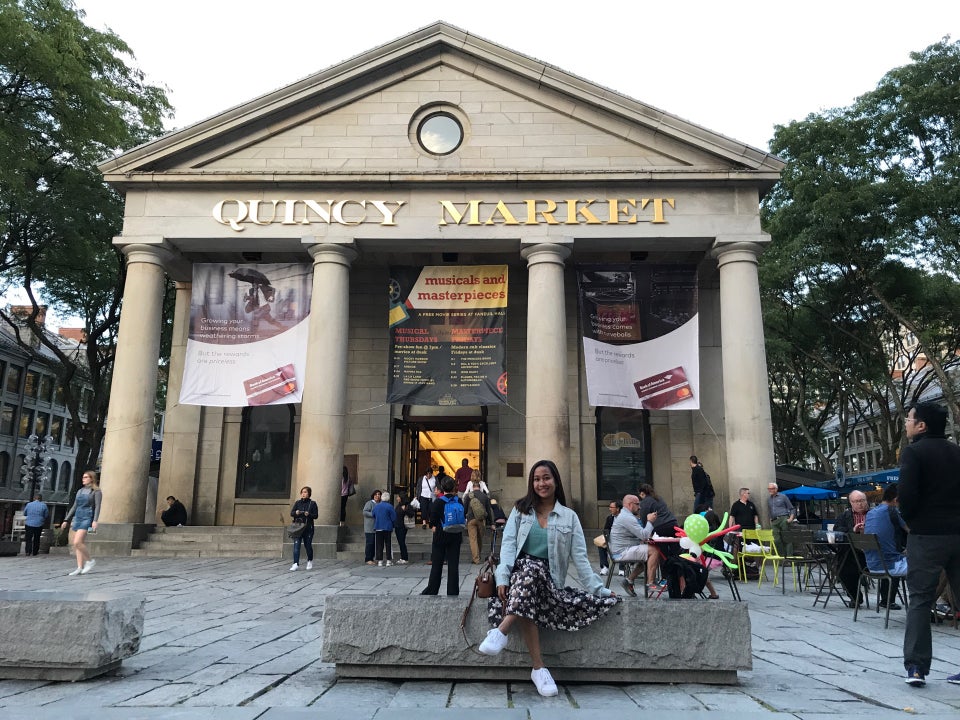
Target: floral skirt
534, 595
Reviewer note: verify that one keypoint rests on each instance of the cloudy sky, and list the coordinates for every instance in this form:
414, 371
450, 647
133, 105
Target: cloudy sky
737, 67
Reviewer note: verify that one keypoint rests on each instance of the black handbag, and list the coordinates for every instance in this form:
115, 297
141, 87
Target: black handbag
295, 530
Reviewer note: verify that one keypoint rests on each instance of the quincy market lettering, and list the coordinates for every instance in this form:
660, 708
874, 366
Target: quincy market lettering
615, 211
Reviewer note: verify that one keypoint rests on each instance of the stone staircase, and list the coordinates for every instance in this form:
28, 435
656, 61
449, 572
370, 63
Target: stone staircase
271, 542
206, 541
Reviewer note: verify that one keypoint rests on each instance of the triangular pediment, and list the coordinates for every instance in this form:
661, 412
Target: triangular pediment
359, 120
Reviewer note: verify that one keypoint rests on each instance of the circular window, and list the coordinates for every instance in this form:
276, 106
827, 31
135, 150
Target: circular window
440, 133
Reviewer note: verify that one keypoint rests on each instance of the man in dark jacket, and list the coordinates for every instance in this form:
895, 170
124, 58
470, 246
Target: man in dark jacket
930, 505
175, 514
702, 487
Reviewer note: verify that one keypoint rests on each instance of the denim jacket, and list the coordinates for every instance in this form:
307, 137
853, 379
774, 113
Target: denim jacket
565, 544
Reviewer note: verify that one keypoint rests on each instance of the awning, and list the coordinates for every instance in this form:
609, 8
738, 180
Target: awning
805, 492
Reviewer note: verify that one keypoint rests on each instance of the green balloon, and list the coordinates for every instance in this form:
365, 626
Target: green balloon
696, 528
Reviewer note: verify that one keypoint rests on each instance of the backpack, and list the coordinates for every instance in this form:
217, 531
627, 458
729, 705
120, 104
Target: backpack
694, 576
708, 488
477, 509
454, 518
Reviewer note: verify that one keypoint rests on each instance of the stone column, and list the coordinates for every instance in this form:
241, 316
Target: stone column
323, 411
746, 396
181, 428
548, 422
126, 446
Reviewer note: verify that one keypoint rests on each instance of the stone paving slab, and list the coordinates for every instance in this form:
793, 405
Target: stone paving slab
240, 638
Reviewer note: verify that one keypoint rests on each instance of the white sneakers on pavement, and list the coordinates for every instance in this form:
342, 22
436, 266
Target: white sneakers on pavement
88, 566
76, 572
402, 562
494, 642
603, 571
389, 563
379, 563
544, 682
294, 567
309, 564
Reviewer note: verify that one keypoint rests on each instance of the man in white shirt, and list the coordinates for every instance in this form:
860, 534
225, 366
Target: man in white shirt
628, 541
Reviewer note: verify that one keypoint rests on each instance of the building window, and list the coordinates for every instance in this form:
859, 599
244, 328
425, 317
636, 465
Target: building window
4, 469
17, 477
32, 384
13, 379
440, 133
50, 479
46, 388
56, 429
26, 422
59, 395
41, 425
622, 458
69, 436
859, 436
266, 451
7, 413
64, 484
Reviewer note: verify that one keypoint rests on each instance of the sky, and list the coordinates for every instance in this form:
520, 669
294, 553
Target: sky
738, 67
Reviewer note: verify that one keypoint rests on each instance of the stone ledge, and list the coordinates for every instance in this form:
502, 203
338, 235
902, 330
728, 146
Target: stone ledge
53, 635
654, 641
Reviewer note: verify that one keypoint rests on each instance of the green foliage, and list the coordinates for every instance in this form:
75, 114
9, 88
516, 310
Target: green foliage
866, 247
68, 99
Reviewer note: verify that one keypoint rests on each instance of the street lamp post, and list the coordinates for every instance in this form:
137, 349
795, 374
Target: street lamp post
35, 469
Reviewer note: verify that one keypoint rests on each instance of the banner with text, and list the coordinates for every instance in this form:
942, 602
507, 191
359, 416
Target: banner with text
247, 343
641, 338
448, 335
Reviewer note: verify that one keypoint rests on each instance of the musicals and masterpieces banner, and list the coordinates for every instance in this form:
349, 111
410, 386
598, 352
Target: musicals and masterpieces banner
248, 334
641, 338
448, 335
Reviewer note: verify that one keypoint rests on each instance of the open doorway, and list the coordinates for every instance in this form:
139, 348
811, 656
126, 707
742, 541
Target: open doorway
419, 446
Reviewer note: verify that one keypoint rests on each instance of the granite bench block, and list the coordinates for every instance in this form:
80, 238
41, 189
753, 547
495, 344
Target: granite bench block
390, 636
53, 635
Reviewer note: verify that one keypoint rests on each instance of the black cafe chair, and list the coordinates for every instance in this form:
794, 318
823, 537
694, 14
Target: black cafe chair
865, 542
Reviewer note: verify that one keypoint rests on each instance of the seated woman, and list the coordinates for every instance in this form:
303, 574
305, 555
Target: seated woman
541, 539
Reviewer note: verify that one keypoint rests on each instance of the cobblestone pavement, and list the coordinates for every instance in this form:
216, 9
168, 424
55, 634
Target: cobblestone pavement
238, 639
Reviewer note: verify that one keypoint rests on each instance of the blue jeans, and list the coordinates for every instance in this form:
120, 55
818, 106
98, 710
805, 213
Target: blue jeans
307, 539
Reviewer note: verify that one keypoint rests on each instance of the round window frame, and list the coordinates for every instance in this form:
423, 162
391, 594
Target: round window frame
432, 114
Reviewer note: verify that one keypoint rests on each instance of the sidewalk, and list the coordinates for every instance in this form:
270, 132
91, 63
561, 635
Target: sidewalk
239, 639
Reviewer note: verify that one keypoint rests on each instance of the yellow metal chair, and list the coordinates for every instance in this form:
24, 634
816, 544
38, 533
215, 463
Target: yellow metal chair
769, 551
747, 536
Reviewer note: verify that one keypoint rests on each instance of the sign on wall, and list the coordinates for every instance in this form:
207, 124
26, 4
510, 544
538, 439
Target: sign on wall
448, 335
641, 339
247, 343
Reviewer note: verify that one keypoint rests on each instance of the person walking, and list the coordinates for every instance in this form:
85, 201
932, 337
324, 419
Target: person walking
384, 522
35, 516
304, 511
541, 539
403, 511
703, 492
428, 490
369, 535
347, 489
445, 547
479, 514
85, 513
929, 496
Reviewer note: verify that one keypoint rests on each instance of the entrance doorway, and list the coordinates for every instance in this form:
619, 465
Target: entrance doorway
418, 445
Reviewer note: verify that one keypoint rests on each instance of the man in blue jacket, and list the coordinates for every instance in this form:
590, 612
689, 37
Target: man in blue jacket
930, 505
35, 516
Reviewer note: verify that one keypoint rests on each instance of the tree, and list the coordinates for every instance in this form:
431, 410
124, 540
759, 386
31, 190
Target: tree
866, 224
68, 99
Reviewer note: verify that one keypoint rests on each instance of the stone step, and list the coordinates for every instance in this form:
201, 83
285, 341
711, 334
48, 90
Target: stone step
206, 552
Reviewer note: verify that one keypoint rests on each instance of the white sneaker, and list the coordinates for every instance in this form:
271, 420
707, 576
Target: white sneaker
88, 566
380, 563
309, 564
494, 642
402, 562
294, 567
603, 571
620, 572
544, 682
389, 563
76, 572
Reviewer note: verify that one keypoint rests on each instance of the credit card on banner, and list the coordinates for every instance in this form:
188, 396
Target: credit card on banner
663, 389
269, 386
